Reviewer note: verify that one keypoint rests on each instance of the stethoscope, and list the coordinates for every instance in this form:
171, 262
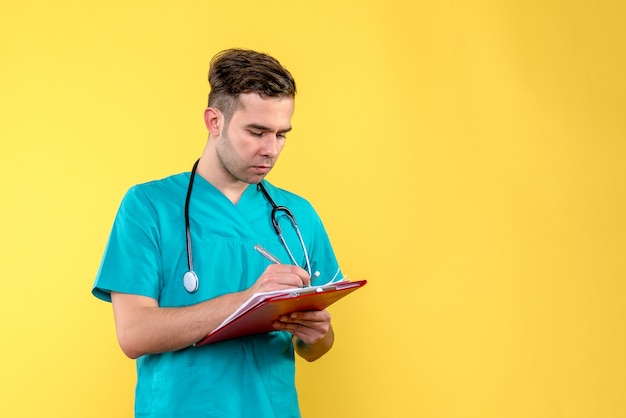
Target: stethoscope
190, 278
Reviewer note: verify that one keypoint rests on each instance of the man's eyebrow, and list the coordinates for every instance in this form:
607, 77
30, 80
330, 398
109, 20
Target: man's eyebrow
258, 127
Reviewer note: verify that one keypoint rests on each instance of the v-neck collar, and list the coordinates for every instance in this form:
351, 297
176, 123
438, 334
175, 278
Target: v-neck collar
206, 188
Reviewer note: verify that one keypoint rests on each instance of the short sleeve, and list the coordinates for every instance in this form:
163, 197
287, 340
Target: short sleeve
131, 262
322, 254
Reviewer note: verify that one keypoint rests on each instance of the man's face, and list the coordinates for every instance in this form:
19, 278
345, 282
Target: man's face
251, 142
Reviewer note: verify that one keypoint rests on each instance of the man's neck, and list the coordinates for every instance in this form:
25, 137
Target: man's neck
230, 187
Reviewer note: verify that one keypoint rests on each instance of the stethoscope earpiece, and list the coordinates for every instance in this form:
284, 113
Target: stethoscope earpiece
190, 281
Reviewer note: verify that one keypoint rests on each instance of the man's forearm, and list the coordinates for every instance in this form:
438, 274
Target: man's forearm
311, 352
145, 328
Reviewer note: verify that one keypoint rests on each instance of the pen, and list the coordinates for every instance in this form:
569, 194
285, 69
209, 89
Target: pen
271, 257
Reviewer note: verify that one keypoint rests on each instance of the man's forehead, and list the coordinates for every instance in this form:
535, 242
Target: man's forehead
256, 99
263, 110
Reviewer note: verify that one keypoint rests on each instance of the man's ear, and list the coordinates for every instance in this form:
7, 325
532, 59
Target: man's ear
214, 121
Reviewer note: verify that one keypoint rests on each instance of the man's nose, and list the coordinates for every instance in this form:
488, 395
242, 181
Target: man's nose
270, 145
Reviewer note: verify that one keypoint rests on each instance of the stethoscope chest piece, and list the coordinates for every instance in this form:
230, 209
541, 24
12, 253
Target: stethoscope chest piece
190, 281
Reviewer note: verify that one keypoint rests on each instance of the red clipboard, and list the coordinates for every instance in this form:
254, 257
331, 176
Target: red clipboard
256, 315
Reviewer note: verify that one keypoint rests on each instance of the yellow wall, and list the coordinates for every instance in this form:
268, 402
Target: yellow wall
467, 157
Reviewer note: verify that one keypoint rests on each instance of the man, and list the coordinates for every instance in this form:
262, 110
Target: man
170, 285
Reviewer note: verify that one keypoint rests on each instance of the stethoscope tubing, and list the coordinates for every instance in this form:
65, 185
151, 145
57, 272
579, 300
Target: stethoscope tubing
187, 228
190, 278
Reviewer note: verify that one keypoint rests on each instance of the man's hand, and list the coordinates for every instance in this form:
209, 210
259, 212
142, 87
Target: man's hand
279, 277
313, 334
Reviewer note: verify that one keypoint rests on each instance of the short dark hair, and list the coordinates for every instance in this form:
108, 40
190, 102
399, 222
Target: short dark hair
238, 71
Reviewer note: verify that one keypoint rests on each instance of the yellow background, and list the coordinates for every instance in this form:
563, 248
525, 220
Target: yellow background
468, 159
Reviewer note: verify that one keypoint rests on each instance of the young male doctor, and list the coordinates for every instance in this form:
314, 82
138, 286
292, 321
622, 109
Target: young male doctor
181, 258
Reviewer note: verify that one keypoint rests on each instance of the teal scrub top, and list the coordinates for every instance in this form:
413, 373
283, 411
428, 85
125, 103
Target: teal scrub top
146, 255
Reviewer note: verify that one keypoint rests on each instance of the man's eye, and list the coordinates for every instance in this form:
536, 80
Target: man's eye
256, 133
